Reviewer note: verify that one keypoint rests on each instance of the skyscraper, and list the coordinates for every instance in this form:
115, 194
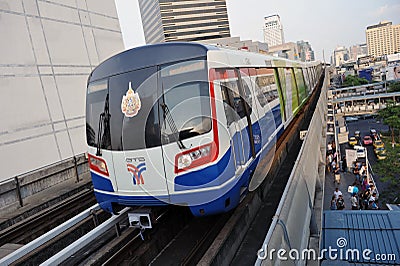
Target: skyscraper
383, 38
273, 30
182, 20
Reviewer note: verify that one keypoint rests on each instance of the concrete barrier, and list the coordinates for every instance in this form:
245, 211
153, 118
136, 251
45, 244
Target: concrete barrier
16, 189
290, 229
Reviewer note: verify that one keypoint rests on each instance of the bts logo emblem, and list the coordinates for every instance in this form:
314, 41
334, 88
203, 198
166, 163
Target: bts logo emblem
136, 170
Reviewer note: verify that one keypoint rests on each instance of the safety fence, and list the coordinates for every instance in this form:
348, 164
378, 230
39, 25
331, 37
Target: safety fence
289, 232
16, 189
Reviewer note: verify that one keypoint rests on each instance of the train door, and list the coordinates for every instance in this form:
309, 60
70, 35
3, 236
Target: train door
237, 117
186, 128
135, 134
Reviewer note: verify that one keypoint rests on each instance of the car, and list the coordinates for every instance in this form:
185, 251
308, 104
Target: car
361, 151
380, 156
367, 140
380, 150
353, 141
378, 144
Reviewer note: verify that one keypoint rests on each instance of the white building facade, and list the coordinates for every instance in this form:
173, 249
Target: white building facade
48, 48
273, 31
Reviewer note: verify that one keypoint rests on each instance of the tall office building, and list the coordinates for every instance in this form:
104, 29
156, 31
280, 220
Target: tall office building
184, 20
273, 31
396, 34
383, 39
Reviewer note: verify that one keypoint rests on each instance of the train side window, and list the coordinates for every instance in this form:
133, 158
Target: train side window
235, 100
301, 87
235, 103
266, 87
230, 113
247, 95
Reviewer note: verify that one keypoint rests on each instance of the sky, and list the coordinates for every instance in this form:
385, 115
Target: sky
325, 24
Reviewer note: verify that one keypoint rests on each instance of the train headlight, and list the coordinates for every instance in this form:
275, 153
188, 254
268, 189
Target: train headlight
194, 157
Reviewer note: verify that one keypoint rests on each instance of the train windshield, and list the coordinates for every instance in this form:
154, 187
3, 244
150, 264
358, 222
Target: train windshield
129, 111
185, 100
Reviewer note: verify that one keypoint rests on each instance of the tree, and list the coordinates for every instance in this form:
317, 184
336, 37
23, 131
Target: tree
351, 80
394, 86
391, 117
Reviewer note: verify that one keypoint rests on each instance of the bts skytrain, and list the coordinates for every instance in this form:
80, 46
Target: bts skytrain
188, 124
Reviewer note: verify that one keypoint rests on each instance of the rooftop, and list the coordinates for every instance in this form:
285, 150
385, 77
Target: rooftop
374, 230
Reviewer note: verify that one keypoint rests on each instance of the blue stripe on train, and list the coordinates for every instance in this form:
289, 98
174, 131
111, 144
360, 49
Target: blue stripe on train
101, 183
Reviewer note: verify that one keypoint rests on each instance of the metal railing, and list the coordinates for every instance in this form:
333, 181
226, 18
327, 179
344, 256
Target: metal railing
17, 188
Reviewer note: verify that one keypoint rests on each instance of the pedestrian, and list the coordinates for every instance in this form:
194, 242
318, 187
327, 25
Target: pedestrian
337, 193
344, 165
360, 201
372, 197
329, 148
355, 188
336, 176
372, 188
354, 202
363, 170
333, 164
333, 203
340, 203
356, 173
372, 202
365, 198
365, 184
329, 162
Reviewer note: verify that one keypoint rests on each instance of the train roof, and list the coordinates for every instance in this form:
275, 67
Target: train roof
149, 55
164, 53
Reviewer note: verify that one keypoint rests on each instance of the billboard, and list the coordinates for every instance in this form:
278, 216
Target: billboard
393, 72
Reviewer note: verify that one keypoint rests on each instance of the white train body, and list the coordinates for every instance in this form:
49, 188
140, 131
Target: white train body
188, 124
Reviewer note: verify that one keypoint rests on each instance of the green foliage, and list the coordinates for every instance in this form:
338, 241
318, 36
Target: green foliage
388, 170
391, 117
354, 81
394, 87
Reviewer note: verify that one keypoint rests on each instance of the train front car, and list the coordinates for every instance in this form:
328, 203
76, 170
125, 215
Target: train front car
153, 134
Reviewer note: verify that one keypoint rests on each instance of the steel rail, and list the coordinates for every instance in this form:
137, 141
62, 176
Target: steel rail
86, 239
19, 253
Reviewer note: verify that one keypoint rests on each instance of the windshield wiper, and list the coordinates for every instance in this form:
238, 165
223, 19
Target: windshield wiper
171, 123
104, 138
